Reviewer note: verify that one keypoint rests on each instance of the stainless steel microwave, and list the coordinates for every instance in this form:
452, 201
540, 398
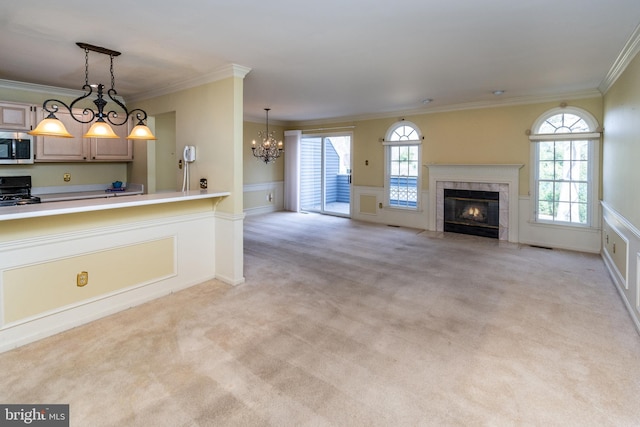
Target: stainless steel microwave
15, 148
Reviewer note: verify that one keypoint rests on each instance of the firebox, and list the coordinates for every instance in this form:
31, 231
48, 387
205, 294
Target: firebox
472, 212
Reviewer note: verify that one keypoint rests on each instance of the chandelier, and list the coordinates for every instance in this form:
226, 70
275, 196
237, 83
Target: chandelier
269, 150
101, 128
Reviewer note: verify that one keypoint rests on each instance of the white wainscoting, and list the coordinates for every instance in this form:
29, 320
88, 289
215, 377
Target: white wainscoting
258, 195
570, 238
629, 286
195, 249
386, 215
581, 239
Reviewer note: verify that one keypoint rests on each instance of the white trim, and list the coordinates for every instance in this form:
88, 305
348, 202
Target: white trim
396, 143
623, 279
229, 257
580, 112
632, 228
33, 87
630, 50
224, 72
396, 125
262, 186
574, 136
630, 234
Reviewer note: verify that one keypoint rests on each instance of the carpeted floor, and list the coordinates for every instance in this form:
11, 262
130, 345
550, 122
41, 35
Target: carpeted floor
344, 323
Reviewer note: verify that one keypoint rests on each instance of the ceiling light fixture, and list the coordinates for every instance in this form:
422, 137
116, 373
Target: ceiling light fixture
498, 92
52, 126
427, 101
269, 150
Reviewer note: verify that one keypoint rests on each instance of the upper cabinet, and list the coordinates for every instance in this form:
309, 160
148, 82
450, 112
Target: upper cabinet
54, 149
112, 149
16, 116
79, 149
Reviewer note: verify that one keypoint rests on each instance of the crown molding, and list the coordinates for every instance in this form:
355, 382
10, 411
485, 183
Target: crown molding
224, 72
623, 60
48, 90
503, 102
33, 87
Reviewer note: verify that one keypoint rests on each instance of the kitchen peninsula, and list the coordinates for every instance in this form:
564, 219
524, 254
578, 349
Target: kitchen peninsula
66, 263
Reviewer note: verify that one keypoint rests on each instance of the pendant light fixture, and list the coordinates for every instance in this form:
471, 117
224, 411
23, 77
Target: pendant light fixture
268, 150
101, 127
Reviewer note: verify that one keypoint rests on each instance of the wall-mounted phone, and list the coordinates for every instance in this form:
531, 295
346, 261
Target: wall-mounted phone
189, 156
189, 153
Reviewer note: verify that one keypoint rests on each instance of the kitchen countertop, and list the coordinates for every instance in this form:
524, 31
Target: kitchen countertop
103, 203
77, 192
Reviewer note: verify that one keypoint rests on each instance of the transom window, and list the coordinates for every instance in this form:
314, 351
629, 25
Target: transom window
564, 152
402, 153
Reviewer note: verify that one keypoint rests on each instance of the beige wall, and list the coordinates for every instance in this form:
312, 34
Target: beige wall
266, 197
475, 136
255, 170
207, 116
621, 147
166, 153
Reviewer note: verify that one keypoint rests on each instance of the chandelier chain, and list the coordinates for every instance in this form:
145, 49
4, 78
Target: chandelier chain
86, 67
113, 79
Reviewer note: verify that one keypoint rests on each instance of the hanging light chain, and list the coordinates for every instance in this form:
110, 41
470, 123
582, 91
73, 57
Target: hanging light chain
86, 67
113, 79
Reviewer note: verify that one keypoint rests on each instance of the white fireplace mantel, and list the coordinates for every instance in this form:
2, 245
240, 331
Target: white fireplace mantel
508, 174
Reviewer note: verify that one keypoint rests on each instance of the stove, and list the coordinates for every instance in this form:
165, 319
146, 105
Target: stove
16, 190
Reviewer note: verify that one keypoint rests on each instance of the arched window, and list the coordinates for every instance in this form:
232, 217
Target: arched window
564, 166
403, 144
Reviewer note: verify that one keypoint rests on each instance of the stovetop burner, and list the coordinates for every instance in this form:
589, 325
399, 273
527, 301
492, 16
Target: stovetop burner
16, 190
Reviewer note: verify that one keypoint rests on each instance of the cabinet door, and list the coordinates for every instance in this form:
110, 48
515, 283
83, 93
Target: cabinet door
54, 149
16, 116
113, 149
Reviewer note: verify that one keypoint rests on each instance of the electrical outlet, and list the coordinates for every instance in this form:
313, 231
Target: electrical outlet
82, 279
203, 183
66, 177
270, 197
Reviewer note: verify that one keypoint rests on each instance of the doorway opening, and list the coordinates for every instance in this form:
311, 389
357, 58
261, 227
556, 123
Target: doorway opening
325, 174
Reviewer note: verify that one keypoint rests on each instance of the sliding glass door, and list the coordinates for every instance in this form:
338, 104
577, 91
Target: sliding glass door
325, 174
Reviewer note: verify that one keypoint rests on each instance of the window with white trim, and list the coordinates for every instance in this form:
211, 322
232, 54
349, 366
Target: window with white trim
565, 166
403, 144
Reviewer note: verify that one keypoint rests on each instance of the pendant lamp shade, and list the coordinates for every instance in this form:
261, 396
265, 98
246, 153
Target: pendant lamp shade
51, 127
100, 129
141, 131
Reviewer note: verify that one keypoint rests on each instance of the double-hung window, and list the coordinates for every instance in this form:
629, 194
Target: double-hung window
565, 152
402, 172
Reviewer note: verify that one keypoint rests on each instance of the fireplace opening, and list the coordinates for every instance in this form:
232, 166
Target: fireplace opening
472, 212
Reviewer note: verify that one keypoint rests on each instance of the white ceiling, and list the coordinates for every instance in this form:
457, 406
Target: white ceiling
324, 59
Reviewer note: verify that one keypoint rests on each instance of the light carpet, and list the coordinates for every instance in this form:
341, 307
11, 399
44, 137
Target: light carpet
345, 323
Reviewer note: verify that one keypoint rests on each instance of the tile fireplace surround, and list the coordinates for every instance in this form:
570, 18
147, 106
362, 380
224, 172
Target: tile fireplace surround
503, 178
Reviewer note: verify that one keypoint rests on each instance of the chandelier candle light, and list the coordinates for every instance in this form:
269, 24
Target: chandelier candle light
269, 150
52, 126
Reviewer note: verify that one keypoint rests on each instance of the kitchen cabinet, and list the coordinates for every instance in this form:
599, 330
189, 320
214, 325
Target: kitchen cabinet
16, 116
79, 149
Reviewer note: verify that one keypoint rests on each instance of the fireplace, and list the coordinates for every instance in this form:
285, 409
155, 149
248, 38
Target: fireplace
500, 178
472, 212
